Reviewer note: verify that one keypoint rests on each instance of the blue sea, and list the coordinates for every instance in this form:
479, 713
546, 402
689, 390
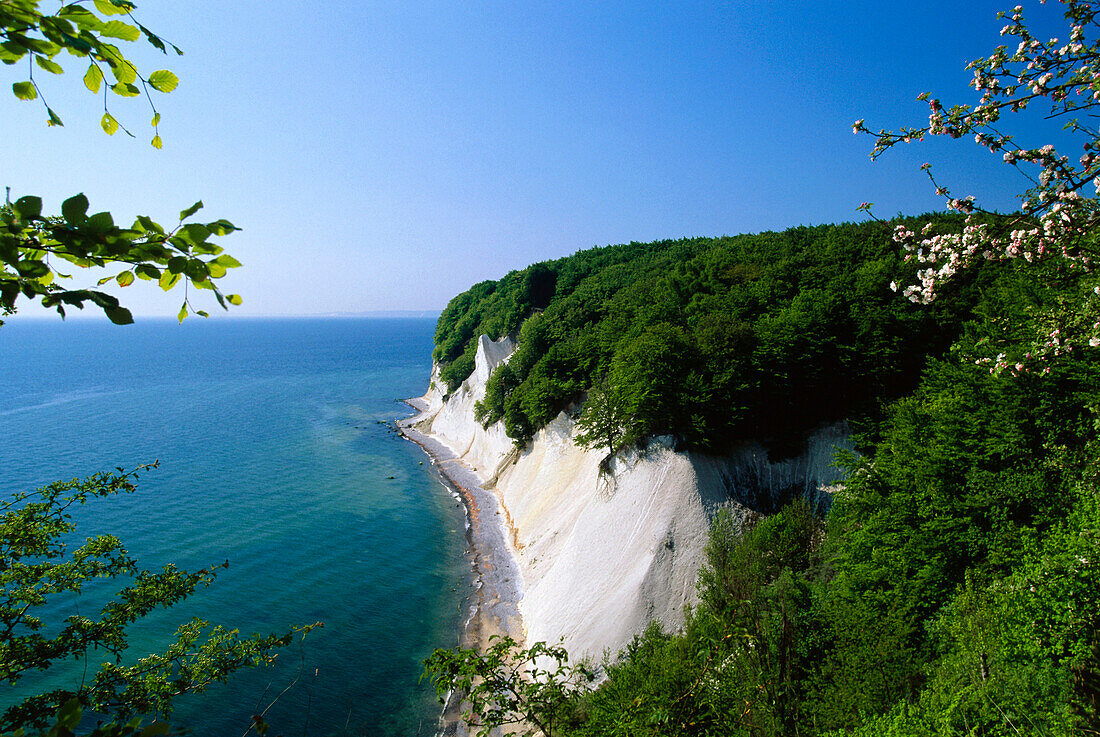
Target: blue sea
276, 454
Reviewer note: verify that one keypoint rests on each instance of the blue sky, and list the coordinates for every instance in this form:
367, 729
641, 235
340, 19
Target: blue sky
387, 155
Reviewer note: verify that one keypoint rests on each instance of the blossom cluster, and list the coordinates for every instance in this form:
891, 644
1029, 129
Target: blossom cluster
1058, 221
1058, 233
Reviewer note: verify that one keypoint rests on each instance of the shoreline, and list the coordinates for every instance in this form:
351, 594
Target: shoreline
497, 584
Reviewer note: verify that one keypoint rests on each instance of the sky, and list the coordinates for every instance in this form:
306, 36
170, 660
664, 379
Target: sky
389, 155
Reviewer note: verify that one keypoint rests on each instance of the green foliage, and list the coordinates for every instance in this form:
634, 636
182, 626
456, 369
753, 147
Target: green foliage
508, 685
1020, 654
953, 587
83, 31
33, 246
739, 667
67, 722
37, 568
606, 420
710, 340
661, 685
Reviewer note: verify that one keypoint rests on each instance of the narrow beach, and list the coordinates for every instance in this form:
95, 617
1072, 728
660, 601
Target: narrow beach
494, 605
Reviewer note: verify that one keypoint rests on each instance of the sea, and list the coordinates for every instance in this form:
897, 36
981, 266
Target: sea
277, 453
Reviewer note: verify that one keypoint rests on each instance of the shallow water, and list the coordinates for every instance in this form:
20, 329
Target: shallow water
275, 454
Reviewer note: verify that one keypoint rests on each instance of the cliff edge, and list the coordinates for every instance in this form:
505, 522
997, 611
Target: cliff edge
603, 554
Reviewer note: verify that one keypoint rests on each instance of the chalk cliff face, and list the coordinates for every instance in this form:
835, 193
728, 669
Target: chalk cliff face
602, 555
454, 424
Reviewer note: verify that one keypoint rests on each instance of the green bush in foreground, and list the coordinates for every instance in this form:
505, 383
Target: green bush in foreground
37, 568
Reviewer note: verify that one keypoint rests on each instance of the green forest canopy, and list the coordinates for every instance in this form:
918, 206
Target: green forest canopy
712, 340
953, 587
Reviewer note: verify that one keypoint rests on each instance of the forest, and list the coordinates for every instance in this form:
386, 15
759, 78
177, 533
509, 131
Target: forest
952, 586
710, 340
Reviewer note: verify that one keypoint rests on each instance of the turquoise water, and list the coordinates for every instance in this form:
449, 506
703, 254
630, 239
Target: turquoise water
274, 454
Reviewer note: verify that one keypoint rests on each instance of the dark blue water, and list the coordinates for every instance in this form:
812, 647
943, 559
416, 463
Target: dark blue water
275, 455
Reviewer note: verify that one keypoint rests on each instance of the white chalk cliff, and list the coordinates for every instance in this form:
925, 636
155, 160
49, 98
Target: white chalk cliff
603, 555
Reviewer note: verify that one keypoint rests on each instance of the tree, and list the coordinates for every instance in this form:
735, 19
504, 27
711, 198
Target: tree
36, 568
604, 420
1053, 236
32, 244
507, 685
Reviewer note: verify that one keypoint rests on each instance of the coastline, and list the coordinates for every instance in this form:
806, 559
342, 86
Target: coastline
494, 603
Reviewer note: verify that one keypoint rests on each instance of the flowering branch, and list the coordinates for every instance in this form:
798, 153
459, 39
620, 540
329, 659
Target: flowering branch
1054, 232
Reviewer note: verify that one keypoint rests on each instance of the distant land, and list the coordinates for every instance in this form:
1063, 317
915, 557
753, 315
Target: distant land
76, 315
434, 314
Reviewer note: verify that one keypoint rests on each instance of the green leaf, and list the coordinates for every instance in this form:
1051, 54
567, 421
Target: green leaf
119, 315
196, 269
206, 249
110, 8
221, 227
31, 268
183, 312
100, 223
163, 80
11, 52
234, 299
125, 279
102, 300
29, 207
121, 67
50, 66
156, 729
202, 313
196, 232
157, 143
109, 124
177, 264
125, 89
155, 40
93, 78
69, 714
53, 119
74, 209
191, 210
81, 16
168, 280
118, 29
226, 261
9, 291
24, 90
145, 271
149, 225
